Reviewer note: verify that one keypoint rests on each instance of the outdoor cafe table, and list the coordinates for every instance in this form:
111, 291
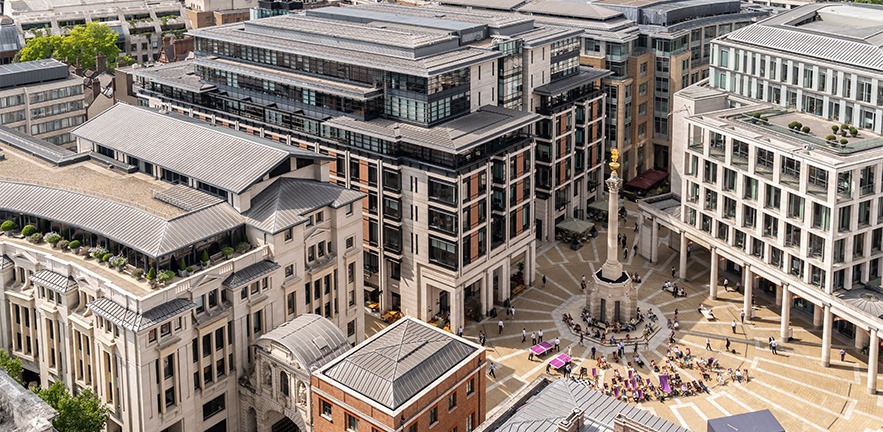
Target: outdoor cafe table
540, 348
560, 360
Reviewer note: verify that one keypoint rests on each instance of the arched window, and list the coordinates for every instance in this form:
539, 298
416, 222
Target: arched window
283, 383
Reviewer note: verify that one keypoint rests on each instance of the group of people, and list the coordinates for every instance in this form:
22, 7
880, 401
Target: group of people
673, 288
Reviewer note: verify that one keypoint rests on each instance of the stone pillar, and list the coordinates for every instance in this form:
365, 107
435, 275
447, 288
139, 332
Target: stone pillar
682, 270
612, 268
530, 264
654, 241
748, 288
712, 280
456, 309
505, 283
485, 288
827, 326
786, 311
860, 338
779, 294
817, 316
873, 352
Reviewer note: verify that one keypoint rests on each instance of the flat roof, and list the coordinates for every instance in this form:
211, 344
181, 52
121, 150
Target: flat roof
32, 72
507, 5
208, 154
176, 74
583, 10
398, 363
757, 421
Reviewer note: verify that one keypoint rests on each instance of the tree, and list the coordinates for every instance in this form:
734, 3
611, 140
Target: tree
84, 412
12, 365
84, 42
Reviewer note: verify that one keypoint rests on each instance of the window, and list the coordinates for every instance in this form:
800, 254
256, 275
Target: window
843, 219
442, 252
350, 241
433, 416
165, 329
213, 407
284, 383
168, 365
289, 270
821, 216
291, 303
288, 234
452, 401
326, 408
773, 197
470, 421
351, 328
442, 191
170, 397
352, 423
151, 336
795, 206
470, 387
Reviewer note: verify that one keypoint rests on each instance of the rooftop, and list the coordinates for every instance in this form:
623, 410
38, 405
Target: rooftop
42, 8
228, 161
176, 74
288, 201
311, 339
850, 34
399, 362
584, 10
32, 72
21, 410
549, 403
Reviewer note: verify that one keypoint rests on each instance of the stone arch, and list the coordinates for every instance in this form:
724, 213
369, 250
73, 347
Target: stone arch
251, 421
278, 422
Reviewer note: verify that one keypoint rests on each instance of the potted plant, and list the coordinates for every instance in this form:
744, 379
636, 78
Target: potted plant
204, 259
119, 262
151, 276
189, 270
243, 247
35, 238
831, 138
853, 131
137, 274
74, 246
835, 128
97, 252
227, 251
28, 230
165, 276
805, 129
62, 245
843, 142
7, 226
182, 268
52, 238
106, 257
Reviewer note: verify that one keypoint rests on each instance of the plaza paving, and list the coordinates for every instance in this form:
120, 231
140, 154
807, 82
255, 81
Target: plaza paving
803, 395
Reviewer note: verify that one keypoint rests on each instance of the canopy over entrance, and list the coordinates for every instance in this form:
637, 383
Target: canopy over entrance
575, 226
646, 181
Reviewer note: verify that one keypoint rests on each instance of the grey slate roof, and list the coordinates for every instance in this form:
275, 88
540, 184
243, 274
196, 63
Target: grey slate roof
312, 340
250, 273
543, 412
139, 229
400, 362
284, 203
204, 153
187, 198
135, 321
55, 281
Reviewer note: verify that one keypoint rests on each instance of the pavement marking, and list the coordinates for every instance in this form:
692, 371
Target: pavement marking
783, 409
698, 411
674, 410
714, 403
738, 402
802, 383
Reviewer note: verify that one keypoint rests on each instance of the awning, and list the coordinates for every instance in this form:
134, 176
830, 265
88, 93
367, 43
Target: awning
600, 205
646, 181
250, 273
576, 226
55, 281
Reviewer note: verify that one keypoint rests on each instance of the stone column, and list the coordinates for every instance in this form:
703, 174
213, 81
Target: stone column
456, 308
779, 294
530, 265
712, 284
505, 283
860, 338
485, 289
748, 288
873, 352
682, 270
786, 311
654, 241
817, 316
826, 335
612, 268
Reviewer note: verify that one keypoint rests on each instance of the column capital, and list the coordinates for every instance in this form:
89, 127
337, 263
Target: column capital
748, 266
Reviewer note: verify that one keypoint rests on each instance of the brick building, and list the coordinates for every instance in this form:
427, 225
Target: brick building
411, 377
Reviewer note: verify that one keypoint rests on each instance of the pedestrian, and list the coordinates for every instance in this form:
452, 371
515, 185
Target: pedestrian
636, 226
570, 351
672, 271
625, 239
726, 284
482, 338
533, 338
689, 250
490, 370
593, 352
708, 345
567, 370
557, 344
734, 327
619, 237
460, 331
581, 339
540, 336
511, 312
742, 316
842, 354
548, 368
523, 335
738, 286
773, 346
529, 355
625, 252
544, 280
635, 249
728, 345
500, 326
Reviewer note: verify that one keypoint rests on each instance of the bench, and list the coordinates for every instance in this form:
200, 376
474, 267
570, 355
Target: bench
707, 313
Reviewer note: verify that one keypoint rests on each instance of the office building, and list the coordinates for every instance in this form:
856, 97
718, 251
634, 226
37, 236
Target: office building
42, 98
193, 242
653, 49
411, 376
139, 24
429, 112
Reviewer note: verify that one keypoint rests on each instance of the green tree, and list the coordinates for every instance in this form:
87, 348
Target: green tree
81, 413
84, 42
12, 365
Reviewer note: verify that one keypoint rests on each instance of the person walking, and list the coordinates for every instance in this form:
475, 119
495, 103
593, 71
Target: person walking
593, 352
460, 331
557, 344
672, 271
529, 355
490, 370
511, 312
728, 345
708, 345
548, 368
842, 354
533, 338
500, 326
581, 339
567, 371
726, 284
774, 346
523, 335
570, 351
625, 253
540, 336
544, 280
482, 339
734, 326
742, 316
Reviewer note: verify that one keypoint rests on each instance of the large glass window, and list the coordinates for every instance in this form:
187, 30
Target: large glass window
442, 221
442, 191
442, 252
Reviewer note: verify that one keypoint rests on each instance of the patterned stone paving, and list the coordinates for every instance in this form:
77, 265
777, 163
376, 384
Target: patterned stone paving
803, 395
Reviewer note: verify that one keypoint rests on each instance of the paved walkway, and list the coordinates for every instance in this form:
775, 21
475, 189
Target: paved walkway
803, 395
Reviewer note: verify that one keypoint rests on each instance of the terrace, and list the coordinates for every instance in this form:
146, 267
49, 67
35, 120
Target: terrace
810, 130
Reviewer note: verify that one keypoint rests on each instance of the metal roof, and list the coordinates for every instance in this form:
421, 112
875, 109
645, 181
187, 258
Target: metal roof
9, 38
507, 5
757, 421
177, 74
250, 273
55, 281
585, 76
311, 339
204, 153
135, 321
869, 299
570, 9
32, 72
39, 147
544, 411
139, 229
477, 127
187, 198
368, 14
284, 203
400, 362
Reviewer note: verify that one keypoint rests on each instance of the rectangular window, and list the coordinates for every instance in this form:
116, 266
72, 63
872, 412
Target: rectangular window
442, 191
433, 416
352, 423
452, 401
213, 407
326, 408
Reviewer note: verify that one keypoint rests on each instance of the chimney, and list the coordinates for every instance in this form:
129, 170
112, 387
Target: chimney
166, 40
100, 63
573, 422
